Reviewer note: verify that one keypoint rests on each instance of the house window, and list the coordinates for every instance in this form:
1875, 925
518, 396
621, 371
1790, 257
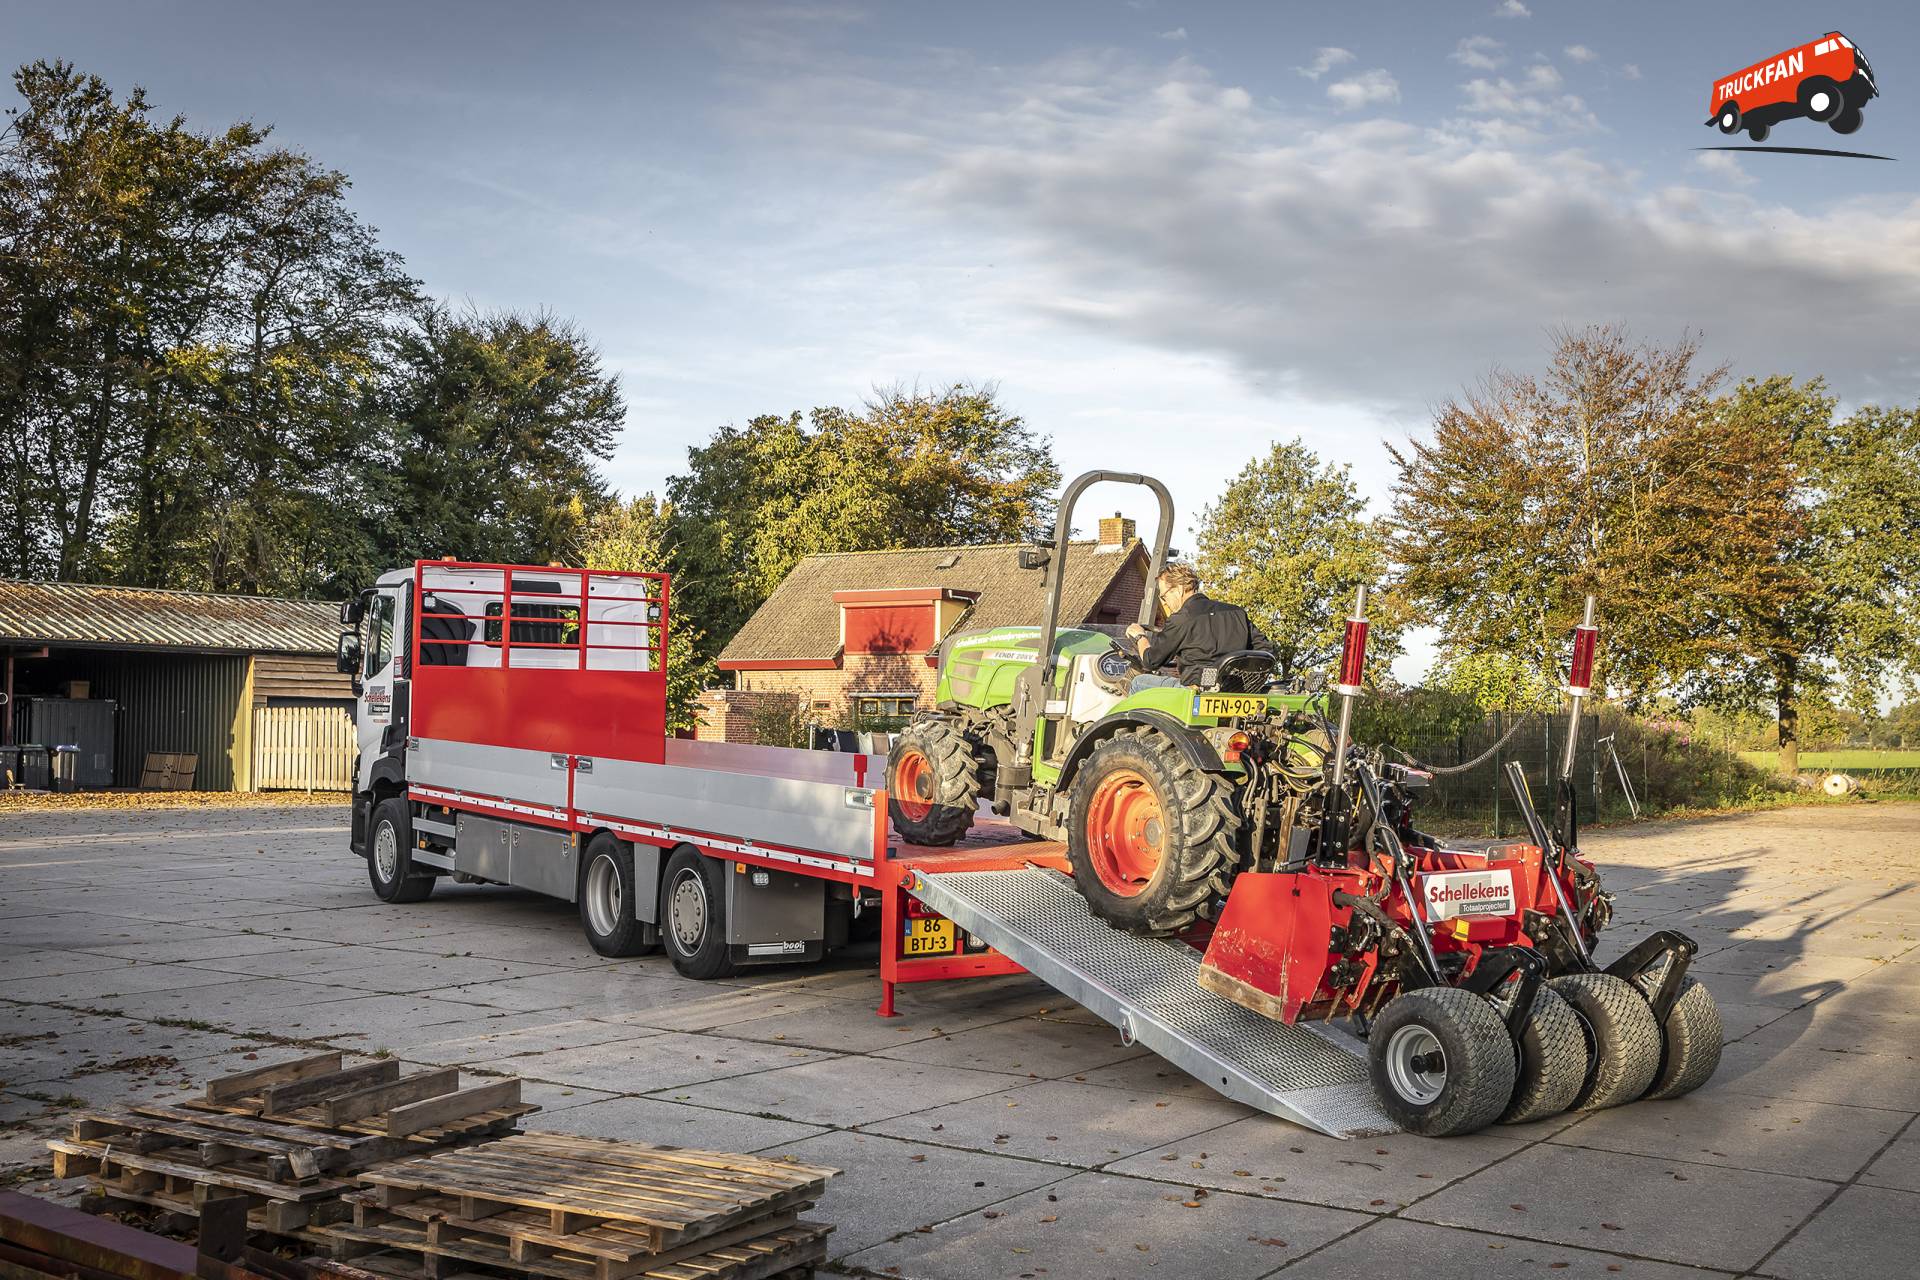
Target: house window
882, 706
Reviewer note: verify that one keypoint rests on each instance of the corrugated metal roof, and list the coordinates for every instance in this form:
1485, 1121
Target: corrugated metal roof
801, 620
79, 613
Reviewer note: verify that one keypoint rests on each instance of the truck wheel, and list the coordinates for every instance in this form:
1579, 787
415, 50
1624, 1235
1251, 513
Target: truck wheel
1729, 120
390, 855
608, 897
1846, 122
1623, 1038
693, 916
1821, 98
933, 783
1690, 1039
1441, 1061
1758, 131
1150, 838
1553, 1061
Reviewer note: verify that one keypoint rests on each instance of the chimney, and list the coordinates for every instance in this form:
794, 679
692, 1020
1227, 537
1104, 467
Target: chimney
1116, 530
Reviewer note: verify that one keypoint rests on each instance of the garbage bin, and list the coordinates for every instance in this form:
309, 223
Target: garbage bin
66, 768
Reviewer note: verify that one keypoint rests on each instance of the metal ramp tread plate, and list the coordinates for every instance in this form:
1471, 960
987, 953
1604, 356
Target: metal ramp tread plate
1149, 988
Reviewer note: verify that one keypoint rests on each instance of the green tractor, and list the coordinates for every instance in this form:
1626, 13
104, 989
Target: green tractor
1152, 791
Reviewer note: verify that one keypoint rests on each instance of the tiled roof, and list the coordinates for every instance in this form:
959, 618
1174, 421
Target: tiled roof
143, 617
801, 620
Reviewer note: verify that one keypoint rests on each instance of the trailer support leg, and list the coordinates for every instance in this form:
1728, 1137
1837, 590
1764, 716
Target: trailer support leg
892, 910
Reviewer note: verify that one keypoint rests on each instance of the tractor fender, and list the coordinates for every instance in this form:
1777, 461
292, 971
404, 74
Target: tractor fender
1198, 751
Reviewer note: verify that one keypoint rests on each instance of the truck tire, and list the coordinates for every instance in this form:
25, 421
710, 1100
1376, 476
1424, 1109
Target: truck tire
693, 916
1690, 1043
608, 896
1150, 837
933, 783
1553, 1061
1729, 118
1441, 1061
390, 855
1623, 1038
1821, 98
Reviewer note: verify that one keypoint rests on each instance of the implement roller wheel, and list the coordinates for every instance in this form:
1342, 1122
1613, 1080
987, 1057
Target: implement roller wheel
1691, 1038
1441, 1061
1553, 1061
1623, 1038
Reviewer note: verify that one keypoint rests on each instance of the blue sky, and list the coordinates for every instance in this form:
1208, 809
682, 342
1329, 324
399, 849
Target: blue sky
1171, 233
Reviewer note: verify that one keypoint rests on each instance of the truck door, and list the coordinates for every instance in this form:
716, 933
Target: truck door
382, 701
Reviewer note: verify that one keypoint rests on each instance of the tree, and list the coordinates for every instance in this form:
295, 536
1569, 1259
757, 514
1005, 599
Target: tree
909, 469
1289, 542
497, 422
631, 537
1616, 473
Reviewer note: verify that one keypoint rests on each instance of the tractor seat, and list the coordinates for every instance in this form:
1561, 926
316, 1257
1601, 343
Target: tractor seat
1243, 671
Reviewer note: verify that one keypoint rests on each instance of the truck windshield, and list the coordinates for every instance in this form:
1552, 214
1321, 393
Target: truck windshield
379, 634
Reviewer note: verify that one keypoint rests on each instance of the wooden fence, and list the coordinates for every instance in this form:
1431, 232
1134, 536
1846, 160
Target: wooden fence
302, 748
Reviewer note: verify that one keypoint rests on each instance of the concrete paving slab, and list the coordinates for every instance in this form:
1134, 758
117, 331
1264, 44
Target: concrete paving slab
1101, 1225
649, 1061
659, 1121
847, 1027
1066, 1123
1838, 1025
608, 991
1890, 1080
544, 1035
1716, 1125
1651, 1208
559, 1097
1899, 1165
842, 1092
404, 973
1394, 1247
105, 985
1149, 1074
18, 964
721, 1007
84, 931
221, 947
1038, 1047
1264, 1156
1866, 1231
882, 1177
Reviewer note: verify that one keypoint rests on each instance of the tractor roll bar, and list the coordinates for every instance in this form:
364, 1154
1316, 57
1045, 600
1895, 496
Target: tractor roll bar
1056, 569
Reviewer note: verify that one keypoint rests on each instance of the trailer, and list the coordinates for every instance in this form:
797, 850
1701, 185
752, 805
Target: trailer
511, 730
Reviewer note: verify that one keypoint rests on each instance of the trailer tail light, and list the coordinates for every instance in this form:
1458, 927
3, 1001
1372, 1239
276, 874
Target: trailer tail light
1586, 638
1353, 657
1237, 746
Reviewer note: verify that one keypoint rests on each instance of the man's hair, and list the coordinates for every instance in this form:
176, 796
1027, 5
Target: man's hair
1181, 576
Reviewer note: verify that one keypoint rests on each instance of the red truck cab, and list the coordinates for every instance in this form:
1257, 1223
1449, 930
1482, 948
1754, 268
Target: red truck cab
1826, 80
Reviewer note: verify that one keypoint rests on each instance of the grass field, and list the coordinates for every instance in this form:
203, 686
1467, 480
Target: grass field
1858, 759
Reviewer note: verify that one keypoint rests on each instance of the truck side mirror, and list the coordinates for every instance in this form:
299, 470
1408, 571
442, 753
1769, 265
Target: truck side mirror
1035, 557
348, 657
350, 611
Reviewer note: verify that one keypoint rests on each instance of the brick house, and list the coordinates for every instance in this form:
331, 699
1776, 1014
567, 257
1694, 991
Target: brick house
855, 634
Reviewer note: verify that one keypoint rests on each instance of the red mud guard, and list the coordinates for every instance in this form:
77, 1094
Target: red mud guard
1269, 949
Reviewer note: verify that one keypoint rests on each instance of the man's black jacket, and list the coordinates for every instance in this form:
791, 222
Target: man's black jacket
1200, 632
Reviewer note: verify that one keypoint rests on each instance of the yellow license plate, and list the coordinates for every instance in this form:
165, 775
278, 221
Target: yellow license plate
1226, 706
929, 936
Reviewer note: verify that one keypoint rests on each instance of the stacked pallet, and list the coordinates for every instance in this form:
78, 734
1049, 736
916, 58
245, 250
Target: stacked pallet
288, 1137
574, 1208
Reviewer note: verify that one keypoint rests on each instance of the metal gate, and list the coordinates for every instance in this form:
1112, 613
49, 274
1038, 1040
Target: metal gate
302, 748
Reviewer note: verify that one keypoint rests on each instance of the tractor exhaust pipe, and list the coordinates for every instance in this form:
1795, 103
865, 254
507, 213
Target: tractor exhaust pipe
1566, 819
1353, 667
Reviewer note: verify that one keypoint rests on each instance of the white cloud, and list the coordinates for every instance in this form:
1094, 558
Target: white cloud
1631, 71
1725, 166
1534, 100
1364, 90
1580, 53
1325, 60
1481, 53
1511, 9
1178, 33
1543, 77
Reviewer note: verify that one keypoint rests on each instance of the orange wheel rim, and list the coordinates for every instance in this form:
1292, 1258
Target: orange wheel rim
1125, 832
913, 785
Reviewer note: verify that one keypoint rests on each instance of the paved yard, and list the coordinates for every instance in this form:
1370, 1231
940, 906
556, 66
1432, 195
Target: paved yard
998, 1130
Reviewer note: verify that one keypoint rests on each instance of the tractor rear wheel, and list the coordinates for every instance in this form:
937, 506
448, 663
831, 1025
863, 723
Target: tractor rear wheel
1623, 1038
1553, 1061
1151, 837
1441, 1061
933, 783
1690, 1036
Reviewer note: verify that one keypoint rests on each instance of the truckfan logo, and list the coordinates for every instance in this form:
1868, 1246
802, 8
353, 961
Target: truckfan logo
1828, 81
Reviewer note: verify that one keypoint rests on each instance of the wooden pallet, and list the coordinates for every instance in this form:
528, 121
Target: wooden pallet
372, 1099
417, 1249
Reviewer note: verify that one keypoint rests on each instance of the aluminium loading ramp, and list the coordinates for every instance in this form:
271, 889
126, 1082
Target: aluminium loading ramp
1149, 988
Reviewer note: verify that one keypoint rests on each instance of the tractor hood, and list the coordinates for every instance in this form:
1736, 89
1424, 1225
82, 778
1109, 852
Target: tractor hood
978, 668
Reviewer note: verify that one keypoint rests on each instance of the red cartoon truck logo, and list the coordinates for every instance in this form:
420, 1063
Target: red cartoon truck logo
1827, 80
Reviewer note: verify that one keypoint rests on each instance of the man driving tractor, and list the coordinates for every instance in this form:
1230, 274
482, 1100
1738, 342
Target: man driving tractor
1198, 632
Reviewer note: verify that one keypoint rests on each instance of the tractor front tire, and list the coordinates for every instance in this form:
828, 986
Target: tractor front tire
933, 783
1150, 838
1553, 1061
1441, 1061
1623, 1038
1690, 1048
